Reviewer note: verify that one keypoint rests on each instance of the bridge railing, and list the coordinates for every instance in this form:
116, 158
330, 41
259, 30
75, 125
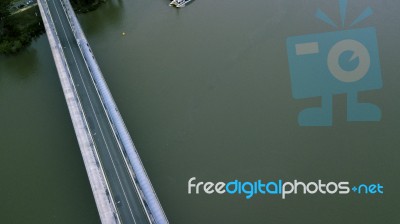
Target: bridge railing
139, 173
97, 178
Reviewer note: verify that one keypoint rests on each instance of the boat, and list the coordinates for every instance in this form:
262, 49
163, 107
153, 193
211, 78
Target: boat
179, 3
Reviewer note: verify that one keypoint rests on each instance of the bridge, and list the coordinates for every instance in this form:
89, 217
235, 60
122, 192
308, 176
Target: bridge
122, 190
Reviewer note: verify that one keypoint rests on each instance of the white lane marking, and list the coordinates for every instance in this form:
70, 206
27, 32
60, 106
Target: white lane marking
138, 190
119, 180
119, 146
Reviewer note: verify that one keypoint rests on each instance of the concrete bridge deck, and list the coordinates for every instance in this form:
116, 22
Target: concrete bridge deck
116, 175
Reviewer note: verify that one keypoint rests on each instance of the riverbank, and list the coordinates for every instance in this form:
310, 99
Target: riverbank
19, 29
23, 24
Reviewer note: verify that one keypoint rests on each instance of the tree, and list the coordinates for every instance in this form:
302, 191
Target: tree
85, 5
4, 8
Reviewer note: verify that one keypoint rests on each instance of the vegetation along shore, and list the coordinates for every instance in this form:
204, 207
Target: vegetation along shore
20, 22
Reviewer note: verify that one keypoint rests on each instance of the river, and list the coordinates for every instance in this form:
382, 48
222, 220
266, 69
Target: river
205, 92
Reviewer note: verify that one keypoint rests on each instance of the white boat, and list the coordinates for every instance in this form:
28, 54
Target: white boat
179, 3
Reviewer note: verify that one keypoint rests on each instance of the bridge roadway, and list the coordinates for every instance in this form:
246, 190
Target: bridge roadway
126, 195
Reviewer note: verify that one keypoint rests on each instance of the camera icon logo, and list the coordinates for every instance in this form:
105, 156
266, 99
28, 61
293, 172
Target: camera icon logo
325, 64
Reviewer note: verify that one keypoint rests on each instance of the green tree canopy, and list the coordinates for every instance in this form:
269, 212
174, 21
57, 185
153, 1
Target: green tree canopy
4, 5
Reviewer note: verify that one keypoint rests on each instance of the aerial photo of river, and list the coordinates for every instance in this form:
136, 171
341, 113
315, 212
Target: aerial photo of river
205, 91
